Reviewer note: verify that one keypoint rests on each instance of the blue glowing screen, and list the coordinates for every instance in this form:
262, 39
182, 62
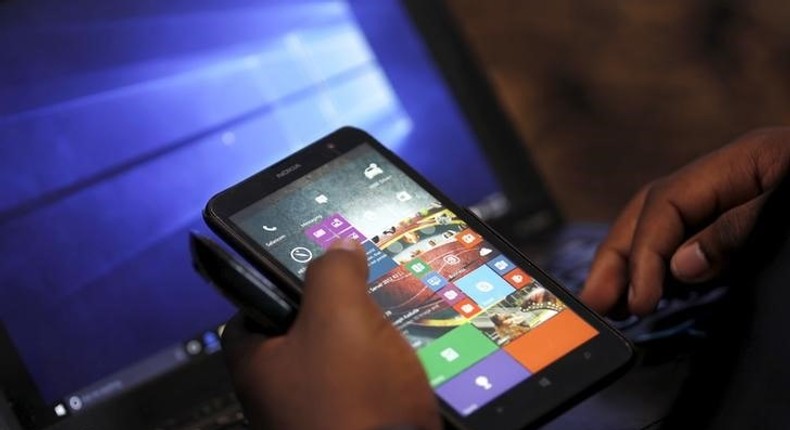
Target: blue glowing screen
119, 120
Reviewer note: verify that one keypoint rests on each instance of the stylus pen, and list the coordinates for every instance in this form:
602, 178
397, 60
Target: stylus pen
255, 295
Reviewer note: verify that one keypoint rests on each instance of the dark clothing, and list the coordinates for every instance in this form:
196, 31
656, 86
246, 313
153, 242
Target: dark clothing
741, 377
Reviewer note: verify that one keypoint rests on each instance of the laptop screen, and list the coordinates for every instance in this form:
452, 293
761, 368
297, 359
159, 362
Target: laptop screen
117, 123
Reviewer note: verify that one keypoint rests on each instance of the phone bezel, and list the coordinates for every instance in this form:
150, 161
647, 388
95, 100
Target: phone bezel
603, 357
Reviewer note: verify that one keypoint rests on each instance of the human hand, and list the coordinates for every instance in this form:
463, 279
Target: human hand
687, 224
342, 365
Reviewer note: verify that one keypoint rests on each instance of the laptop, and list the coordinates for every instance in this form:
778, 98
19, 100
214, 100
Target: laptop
119, 121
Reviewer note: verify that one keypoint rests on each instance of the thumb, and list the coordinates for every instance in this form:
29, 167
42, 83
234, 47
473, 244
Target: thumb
704, 256
336, 285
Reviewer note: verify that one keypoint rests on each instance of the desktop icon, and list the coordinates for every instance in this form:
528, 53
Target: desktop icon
75, 403
194, 347
321, 199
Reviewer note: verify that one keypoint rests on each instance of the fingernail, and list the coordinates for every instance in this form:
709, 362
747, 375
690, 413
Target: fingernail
690, 262
345, 244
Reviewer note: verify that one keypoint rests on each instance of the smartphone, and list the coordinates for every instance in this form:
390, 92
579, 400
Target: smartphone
502, 344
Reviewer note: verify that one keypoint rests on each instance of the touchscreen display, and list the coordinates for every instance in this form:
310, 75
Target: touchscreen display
479, 323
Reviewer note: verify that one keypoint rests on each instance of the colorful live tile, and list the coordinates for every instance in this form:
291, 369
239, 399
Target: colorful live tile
455, 351
467, 308
483, 382
434, 281
379, 263
501, 264
551, 340
352, 233
469, 238
484, 286
451, 294
518, 278
336, 223
418, 267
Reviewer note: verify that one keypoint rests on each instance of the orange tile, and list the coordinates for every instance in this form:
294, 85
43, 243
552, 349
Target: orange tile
467, 308
518, 278
469, 238
551, 340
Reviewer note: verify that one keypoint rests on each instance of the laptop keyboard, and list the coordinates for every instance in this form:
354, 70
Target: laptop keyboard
681, 315
219, 413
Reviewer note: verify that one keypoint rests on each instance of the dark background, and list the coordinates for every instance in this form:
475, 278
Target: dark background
608, 95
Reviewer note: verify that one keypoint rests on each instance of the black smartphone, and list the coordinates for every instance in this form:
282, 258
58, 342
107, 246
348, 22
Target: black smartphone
502, 344
255, 295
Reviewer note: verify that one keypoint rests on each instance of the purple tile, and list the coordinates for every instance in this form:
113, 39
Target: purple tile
353, 233
336, 223
321, 235
483, 382
451, 294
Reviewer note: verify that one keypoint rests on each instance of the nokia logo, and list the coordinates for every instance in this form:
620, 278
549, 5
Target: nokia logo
288, 170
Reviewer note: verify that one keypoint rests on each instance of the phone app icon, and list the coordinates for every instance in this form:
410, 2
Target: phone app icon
467, 308
318, 234
418, 267
451, 294
268, 228
373, 170
434, 281
454, 352
449, 354
484, 286
483, 382
321, 199
300, 254
501, 264
403, 196
518, 278
469, 238
451, 259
